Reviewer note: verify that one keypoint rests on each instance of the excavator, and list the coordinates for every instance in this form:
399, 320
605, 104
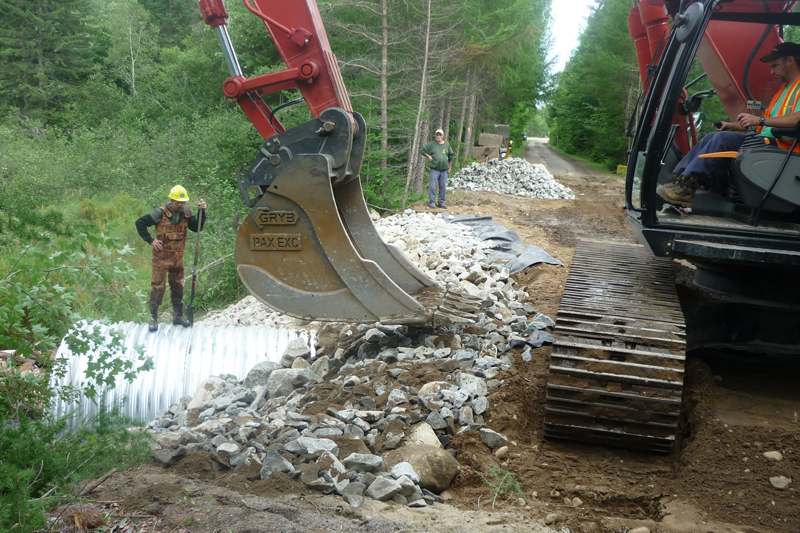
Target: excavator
616, 374
308, 247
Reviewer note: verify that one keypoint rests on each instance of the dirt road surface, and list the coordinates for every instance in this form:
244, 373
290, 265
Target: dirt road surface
717, 480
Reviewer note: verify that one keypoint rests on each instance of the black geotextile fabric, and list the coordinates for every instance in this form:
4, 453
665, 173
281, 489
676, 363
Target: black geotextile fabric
505, 245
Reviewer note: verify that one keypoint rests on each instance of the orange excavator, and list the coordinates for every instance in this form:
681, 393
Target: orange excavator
308, 247
616, 375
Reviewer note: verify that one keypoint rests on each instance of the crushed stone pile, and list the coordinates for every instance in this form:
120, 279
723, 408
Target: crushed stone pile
369, 415
371, 411
513, 176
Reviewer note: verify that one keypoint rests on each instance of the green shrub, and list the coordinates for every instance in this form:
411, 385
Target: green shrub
42, 458
95, 212
43, 455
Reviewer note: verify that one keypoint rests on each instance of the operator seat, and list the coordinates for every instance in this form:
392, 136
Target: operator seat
756, 168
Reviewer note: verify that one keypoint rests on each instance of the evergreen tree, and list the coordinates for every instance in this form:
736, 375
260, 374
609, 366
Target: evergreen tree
45, 47
589, 106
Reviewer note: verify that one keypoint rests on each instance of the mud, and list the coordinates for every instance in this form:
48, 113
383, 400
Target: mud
716, 479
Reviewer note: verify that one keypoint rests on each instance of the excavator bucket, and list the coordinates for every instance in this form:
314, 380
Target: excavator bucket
309, 249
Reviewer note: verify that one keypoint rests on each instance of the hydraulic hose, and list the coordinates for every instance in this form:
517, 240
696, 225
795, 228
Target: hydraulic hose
753, 55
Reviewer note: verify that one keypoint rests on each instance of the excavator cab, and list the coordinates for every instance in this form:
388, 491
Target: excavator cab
624, 325
743, 232
308, 247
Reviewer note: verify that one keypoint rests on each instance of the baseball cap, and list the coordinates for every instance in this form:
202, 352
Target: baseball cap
782, 50
440, 130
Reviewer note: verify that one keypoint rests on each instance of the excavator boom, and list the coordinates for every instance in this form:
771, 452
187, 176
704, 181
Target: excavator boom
308, 247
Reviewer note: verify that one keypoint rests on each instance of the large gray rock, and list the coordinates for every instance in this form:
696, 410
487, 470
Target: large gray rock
493, 439
433, 387
472, 385
405, 470
202, 399
466, 416
396, 397
296, 348
321, 366
408, 486
285, 380
364, 462
229, 449
355, 500
222, 402
259, 374
310, 446
480, 405
273, 462
435, 420
383, 488
436, 468
333, 471
166, 458
422, 433
482, 153
374, 335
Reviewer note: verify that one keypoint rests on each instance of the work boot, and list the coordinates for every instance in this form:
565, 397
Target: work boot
177, 319
153, 325
442, 206
680, 191
432, 205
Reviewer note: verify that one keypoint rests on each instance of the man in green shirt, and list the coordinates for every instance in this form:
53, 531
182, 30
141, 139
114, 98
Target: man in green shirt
441, 157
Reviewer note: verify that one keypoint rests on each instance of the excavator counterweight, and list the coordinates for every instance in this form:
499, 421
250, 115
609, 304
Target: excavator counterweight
308, 247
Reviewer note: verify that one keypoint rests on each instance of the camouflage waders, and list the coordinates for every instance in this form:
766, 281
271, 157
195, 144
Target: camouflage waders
168, 265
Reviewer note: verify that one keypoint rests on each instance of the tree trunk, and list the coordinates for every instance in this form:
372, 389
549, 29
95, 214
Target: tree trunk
40, 51
446, 121
419, 171
384, 89
440, 117
468, 137
464, 100
415, 145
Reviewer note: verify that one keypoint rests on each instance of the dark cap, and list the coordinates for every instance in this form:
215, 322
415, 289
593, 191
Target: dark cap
782, 50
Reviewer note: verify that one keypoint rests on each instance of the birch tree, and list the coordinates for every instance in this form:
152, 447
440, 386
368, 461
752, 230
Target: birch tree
134, 42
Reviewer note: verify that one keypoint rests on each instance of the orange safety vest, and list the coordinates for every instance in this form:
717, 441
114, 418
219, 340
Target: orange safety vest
172, 236
787, 107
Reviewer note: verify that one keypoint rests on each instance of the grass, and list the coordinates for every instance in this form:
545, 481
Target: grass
502, 481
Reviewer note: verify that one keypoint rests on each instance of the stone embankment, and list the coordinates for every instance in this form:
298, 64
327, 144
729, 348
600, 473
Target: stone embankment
371, 410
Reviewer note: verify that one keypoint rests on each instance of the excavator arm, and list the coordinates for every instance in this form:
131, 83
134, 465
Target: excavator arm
308, 247
297, 31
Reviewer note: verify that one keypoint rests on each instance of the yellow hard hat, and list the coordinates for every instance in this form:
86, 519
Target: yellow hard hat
179, 194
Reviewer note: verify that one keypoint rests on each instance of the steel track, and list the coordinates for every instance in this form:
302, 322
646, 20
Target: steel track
616, 373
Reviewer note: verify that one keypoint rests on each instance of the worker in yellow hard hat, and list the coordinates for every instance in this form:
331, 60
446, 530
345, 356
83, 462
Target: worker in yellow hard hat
172, 222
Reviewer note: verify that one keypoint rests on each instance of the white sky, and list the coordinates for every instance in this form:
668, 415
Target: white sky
569, 18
